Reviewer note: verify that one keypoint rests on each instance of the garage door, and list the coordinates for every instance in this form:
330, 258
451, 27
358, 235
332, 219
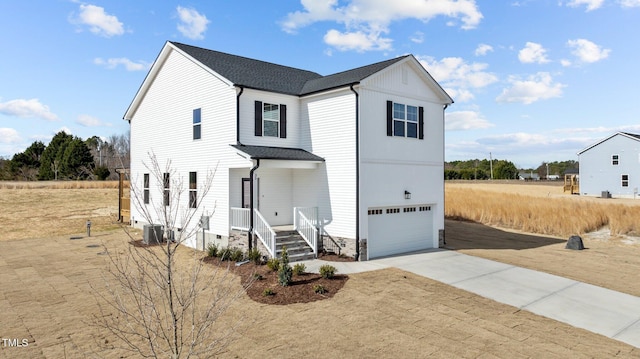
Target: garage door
394, 230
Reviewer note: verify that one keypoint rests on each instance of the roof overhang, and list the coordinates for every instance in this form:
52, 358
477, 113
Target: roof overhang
279, 157
628, 135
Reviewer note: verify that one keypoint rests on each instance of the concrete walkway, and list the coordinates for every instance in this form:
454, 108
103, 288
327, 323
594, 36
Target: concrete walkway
596, 309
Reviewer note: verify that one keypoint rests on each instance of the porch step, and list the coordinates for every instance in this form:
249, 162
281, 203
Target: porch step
297, 247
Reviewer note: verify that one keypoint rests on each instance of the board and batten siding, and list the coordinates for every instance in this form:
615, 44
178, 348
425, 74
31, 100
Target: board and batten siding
391, 165
332, 186
597, 173
163, 125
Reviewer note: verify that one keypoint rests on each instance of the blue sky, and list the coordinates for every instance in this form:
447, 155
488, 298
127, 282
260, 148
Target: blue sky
532, 81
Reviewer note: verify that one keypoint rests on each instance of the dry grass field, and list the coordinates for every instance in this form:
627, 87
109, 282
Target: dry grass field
47, 282
540, 208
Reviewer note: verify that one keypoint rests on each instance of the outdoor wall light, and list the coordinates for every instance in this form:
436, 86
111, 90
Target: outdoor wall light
407, 195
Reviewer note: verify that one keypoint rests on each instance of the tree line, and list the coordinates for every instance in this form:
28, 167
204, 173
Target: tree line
477, 169
68, 157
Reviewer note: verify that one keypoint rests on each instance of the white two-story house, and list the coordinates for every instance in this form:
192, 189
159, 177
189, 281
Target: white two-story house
354, 158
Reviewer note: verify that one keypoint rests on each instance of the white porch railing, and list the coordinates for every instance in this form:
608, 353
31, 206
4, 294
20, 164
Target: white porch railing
305, 220
240, 218
265, 233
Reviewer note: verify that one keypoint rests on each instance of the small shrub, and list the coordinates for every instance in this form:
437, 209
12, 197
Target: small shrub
257, 276
319, 289
299, 268
237, 255
273, 264
212, 250
284, 272
328, 271
255, 256
224, 253
268, 292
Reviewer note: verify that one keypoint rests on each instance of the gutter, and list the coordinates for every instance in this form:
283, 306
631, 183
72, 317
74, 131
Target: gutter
238, 117
357, 170
251, 205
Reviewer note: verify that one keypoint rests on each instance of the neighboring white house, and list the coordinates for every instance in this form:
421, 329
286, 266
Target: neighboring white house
612, 164
357, 155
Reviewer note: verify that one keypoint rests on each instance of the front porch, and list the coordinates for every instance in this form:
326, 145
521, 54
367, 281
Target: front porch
301, 238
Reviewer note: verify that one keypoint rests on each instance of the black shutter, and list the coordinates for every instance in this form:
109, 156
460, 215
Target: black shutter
389, 118
421, 123
258, 123
283, 121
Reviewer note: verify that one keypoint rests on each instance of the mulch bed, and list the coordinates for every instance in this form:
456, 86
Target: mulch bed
301, 290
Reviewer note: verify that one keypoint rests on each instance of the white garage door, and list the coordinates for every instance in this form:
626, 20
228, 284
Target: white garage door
394, 230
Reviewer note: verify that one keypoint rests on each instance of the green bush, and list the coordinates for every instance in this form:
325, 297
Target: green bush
319, 289
237, 255
257, 276
299, 268
255, 256
268, 292
273, 264
328, 271
224, 253
212, 250
284, 272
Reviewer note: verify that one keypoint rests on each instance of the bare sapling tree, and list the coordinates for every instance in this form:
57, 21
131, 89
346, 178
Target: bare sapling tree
162, 300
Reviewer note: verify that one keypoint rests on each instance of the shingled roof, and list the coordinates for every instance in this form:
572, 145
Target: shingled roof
261, 75
277, 153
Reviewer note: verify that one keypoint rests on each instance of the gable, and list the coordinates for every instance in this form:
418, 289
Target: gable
632, 137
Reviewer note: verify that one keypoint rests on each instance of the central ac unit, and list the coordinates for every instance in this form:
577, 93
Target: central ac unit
152, 234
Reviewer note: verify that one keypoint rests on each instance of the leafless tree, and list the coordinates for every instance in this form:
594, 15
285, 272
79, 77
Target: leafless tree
163, 301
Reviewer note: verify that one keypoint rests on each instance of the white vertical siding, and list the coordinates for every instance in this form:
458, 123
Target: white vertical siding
332, 186
597, 173
163, 125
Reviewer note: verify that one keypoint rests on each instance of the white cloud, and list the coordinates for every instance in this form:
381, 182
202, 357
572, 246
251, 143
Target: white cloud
535, 88
533, 53
129, 65
458, 76
465, 120
418, 37
630, 3
483, 49
32, 108
591, 4
358, 41
367, 19
90, 121
192, 24
99, 22
587, 51
566, 63
9, 136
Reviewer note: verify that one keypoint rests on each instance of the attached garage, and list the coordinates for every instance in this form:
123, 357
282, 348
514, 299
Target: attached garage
401, 229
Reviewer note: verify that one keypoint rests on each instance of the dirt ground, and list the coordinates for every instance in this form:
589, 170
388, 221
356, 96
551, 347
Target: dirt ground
47, 280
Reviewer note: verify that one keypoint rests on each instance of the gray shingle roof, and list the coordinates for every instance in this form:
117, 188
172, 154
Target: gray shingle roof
263, 75
277, 153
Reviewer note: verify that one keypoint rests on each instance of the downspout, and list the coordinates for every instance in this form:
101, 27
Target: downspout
357, 171
251, 215
238, 116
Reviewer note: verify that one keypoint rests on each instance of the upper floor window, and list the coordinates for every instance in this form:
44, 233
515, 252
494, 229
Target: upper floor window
615, 159
197, 124
270, 119
625, 180
405, 120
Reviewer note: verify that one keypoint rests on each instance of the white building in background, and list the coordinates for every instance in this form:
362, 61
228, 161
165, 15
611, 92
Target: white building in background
611, 165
